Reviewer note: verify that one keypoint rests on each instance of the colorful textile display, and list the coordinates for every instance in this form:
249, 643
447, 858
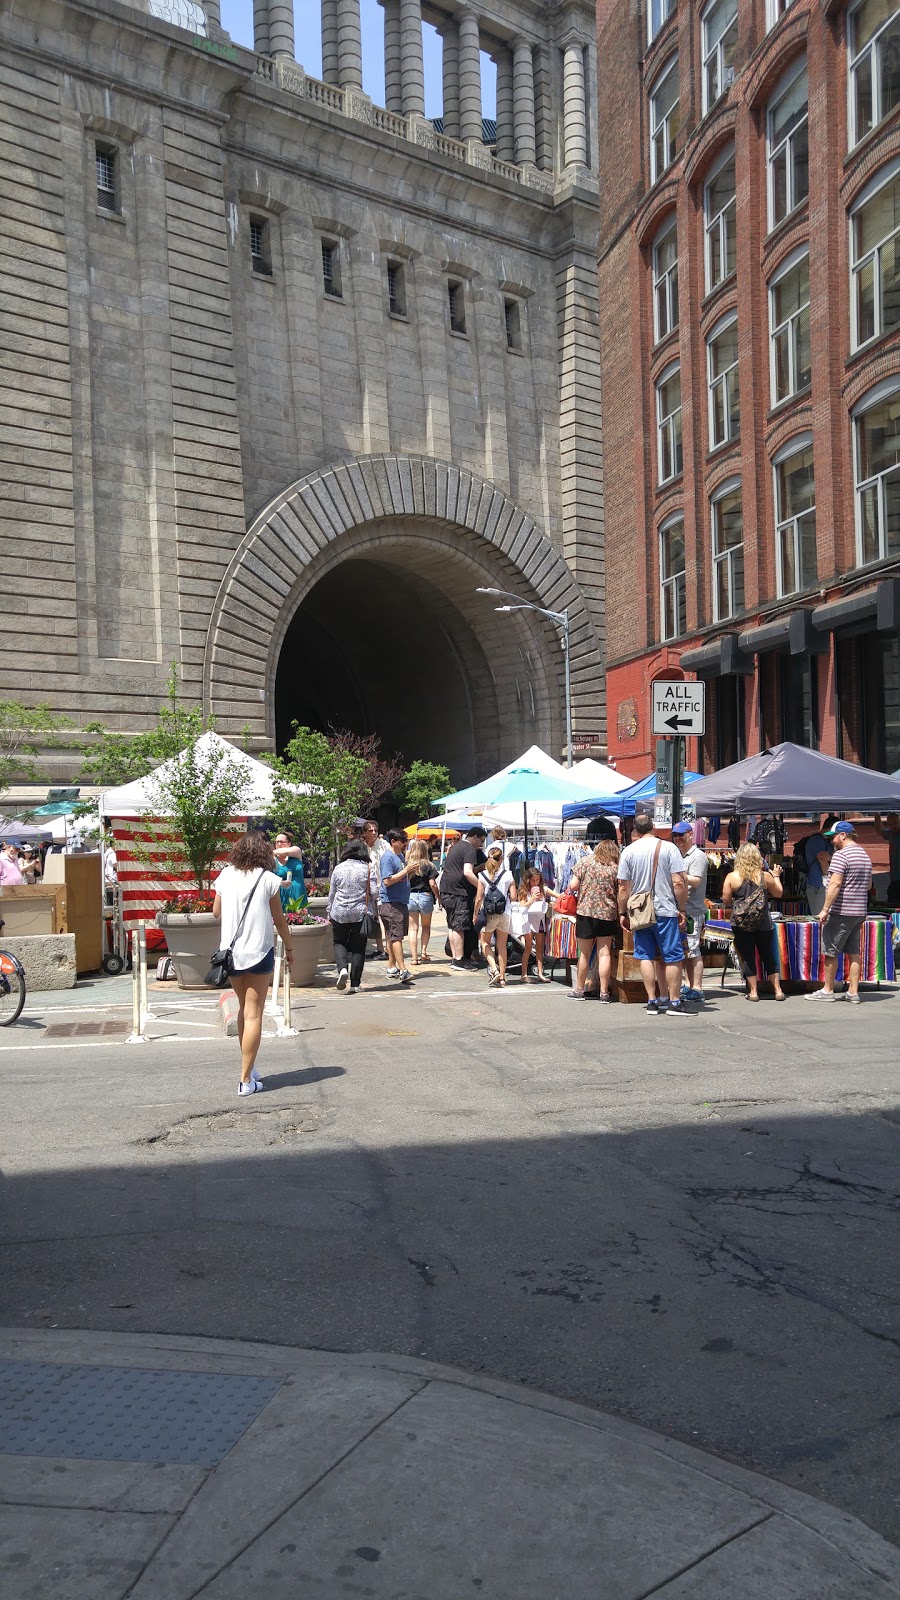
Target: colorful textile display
800, 955
563, 944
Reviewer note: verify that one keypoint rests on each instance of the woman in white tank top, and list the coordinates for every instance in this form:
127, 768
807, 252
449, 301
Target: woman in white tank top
248, 900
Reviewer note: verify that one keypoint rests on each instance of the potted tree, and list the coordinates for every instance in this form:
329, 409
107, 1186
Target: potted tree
195, 798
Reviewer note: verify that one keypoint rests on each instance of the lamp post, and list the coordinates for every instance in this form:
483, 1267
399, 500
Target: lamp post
560, 619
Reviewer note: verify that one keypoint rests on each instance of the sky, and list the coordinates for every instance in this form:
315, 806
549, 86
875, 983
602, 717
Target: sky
237, 19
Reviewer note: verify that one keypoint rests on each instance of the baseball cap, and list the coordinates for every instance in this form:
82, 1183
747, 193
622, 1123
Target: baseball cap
476, 828
840, 827
682, 827
358, 824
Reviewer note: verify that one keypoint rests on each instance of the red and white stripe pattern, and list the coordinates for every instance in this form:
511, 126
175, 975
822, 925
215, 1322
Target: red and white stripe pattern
146, 887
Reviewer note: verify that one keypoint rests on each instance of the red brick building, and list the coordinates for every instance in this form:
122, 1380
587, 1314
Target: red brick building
750, 326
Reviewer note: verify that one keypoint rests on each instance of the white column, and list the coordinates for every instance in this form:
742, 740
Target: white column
411, 63
574, 110
469, 76
450, 36
330, 41
281, 28
523, 103
349, 45
393, 76
261, 27
506, 142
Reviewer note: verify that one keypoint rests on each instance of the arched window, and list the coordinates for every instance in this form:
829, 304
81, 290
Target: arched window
787, 125
671, 577
665, 279
795, 515
791, 358
876, 464
720, 31
665, 120
720, 221
875, 257
669, 457
722, 378
873, 50
727, 517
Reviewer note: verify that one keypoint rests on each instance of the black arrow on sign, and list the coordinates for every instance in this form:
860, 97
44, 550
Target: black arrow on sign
679, 722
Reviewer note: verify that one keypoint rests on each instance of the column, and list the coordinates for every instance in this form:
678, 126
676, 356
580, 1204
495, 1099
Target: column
574, 110
506, 142
393, 77
450, 35
412, 66
261, 27
469, 76
349, 45
281, 29
213, 11
329, 41
523, 103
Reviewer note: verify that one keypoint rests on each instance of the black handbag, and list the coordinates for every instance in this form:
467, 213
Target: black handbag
369, 925
221, 965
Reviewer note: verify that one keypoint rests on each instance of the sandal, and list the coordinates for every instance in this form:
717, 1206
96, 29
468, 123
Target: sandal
425, 958
543, 978
752, 997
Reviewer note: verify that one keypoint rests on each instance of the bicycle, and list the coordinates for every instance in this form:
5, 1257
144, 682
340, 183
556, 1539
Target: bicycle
12, 988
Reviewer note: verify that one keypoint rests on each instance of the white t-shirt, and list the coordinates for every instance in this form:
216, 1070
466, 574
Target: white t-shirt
257, 936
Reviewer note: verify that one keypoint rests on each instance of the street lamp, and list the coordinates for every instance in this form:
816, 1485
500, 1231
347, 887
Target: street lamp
560, 619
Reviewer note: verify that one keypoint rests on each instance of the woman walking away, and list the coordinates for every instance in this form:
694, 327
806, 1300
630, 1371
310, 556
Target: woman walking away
595, 884
248, 900
746, 893
496, 891
353, 893
534, 898
422, 896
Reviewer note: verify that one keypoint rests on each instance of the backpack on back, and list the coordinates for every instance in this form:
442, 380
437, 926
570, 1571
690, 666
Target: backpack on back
494, 902
749, 913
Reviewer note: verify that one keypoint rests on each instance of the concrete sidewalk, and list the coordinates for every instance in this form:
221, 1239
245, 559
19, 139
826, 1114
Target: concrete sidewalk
161, 1468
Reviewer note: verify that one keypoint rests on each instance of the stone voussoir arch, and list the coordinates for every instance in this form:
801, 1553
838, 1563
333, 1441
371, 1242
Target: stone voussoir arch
301, 533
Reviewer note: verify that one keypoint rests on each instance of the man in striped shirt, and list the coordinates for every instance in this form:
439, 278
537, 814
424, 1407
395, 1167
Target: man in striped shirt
844, 912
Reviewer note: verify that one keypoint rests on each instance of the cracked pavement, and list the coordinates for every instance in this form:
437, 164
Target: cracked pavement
691, 1223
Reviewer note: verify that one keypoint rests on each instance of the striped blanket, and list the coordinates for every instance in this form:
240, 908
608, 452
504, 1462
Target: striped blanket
801, 958
146, 886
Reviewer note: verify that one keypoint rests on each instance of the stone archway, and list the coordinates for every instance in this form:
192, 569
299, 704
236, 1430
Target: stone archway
434, 526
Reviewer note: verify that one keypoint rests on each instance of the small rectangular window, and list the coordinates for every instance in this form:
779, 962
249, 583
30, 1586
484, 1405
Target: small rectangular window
456, 294
720, 219
665, 281
720, 32
396, 287
669, 457
260, 247
107, 177
512, 315
672, 579
331, 269
724, 387
665, 120
728, 554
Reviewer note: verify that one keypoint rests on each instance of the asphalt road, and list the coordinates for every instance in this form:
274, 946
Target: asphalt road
690, 1222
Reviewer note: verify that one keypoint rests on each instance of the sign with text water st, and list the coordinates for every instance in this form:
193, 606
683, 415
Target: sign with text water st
678, 707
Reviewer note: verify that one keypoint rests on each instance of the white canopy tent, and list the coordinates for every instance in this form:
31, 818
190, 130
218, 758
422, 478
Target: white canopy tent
136, 799
545, 814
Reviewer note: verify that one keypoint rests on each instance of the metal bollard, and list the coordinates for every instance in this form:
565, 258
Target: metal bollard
285, 1031
138, 985
272, 1000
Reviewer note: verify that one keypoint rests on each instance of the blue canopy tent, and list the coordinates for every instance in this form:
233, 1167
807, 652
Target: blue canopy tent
622, 804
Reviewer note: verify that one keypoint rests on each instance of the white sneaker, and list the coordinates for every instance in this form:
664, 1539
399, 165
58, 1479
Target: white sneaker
255, 1078
821, 994
343, 978
249, 1088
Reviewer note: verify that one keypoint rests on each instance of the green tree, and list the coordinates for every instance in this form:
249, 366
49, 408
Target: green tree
422, 787
193, 800
317, 788
24, 732
117, 758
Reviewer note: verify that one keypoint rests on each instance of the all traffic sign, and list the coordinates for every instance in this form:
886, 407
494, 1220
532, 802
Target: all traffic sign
678, 707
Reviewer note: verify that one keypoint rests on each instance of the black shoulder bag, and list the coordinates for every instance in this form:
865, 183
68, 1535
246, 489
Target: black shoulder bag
221, 965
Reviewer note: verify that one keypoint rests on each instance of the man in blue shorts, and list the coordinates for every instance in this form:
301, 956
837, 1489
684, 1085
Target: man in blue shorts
655, 866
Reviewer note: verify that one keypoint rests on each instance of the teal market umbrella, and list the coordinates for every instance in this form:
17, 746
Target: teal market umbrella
523, 786
56, 808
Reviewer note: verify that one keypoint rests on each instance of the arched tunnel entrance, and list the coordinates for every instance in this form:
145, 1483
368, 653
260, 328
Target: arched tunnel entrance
396, 641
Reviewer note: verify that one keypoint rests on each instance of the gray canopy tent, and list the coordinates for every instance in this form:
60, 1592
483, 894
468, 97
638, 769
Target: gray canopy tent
790, 778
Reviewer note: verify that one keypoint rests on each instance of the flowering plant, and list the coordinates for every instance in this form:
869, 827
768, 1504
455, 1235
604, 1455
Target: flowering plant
303, 918
318, 887
189, 903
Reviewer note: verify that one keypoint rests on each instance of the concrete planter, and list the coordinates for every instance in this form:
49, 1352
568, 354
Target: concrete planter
318, 905
191, 937
311, 945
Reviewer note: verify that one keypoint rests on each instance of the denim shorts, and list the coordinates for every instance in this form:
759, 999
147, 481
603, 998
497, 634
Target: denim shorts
420, 900
266, 965
660, 942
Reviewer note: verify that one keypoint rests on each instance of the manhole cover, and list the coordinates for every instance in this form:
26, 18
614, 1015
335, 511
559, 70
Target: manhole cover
126, 1413
76, 1030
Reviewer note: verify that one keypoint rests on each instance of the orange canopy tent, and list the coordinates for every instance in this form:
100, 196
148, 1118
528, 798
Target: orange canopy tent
427, 830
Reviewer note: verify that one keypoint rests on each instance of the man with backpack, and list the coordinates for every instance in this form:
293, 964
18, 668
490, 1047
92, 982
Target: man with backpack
653, 891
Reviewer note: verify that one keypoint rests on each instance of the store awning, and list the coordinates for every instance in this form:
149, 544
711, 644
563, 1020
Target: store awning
720, 658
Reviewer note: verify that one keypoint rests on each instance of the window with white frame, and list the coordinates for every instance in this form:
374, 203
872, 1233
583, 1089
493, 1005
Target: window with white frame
720, 31
665, 120
775, 10
873, 48
665, 279
728, 550
787, 123
658, 12
719, 211
795, 515
668, 423
671, 578
331, 269
876, 424
789, 327
875, 257
724, 387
